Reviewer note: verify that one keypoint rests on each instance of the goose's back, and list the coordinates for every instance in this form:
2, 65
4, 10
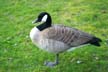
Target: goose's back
70, 36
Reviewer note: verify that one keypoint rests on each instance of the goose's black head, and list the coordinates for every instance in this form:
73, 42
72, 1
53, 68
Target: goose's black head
45, 18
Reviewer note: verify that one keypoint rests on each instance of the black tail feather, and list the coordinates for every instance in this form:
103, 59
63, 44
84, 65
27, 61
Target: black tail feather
95, 41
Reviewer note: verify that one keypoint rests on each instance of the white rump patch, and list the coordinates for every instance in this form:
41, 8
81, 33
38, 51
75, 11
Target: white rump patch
73, 48
44, 18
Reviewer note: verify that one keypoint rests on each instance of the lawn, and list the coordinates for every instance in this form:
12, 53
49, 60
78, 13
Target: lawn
18, 54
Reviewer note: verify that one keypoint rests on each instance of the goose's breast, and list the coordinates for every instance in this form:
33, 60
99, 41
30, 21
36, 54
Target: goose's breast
34, 35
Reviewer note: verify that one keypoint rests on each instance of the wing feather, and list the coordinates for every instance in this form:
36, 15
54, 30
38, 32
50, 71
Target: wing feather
67, 35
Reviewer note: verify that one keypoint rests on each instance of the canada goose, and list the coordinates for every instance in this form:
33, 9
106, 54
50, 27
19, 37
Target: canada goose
58, 38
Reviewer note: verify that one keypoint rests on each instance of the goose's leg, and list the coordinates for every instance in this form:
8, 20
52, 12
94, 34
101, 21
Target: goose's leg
50, 64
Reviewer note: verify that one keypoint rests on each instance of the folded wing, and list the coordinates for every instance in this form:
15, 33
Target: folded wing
67, 35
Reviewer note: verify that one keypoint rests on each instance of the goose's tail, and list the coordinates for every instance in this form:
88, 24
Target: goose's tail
95, 41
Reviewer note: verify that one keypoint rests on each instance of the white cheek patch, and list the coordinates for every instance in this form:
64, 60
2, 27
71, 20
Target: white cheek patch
44, 18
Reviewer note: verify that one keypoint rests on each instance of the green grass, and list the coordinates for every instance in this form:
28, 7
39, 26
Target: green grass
18, 54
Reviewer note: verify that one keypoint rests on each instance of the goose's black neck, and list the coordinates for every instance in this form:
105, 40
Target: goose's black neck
45, 24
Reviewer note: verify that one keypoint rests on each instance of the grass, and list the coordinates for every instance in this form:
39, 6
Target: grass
18, 54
